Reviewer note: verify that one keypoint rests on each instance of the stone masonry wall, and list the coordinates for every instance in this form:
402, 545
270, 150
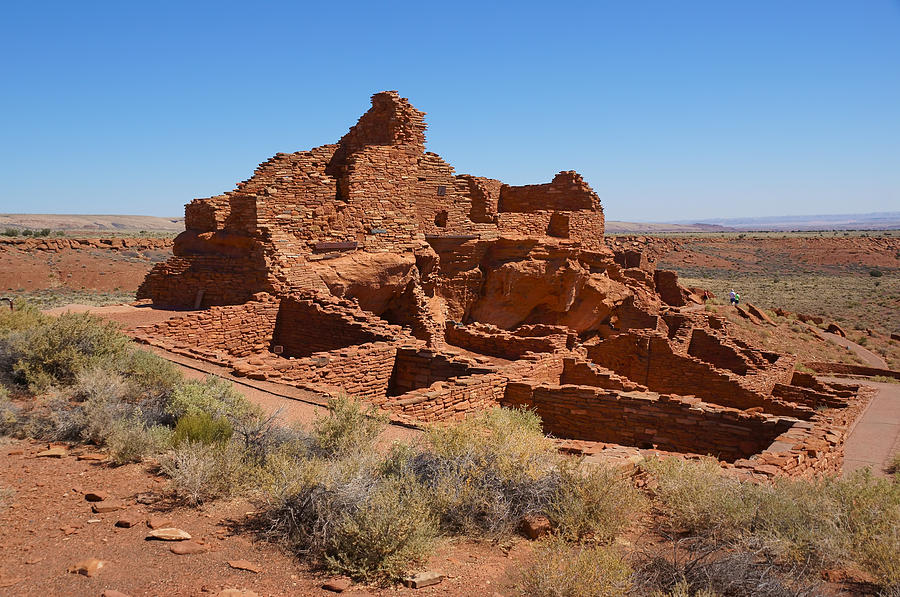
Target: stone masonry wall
237, 331
419, 368
491, 340
648, 359
305, 326
646, 420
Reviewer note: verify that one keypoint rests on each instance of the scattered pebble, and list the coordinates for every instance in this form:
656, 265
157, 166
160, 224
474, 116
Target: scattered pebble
245, 565
169, 534
88, 567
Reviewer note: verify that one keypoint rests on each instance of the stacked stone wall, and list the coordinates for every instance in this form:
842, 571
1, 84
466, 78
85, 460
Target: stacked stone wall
648, 359
305, 326
491, 340
420, 368
646, 420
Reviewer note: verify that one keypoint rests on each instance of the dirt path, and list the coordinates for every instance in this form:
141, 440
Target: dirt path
868, 357
876, 436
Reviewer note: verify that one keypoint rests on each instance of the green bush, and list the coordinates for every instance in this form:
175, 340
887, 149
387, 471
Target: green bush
351, 518
24, 316
213, 396
10, 415
202, 428
347, 428
560, 569
43, 232
53, 353
11, 232
152, 379
593, 501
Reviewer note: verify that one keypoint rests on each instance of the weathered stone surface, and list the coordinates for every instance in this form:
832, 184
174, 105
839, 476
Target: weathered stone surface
106, 507
54, 452
423, 579
160, 522
337, 585
96, 496
245, 565
183, 548
128, 520
88, 567
169, 534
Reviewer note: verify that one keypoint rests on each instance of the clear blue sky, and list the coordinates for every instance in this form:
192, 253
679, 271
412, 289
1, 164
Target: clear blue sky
671, 109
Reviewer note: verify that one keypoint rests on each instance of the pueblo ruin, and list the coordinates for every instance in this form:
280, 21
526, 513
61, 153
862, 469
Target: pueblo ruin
370, 268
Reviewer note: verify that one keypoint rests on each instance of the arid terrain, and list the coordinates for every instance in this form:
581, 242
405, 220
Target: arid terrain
338, 380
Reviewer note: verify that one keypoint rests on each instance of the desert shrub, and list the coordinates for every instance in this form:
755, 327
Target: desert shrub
99, 383
10, 414
698, 499
351, 518
54, 352
213, 396
830, 520
203, 472
43, 232
391, 529
201, 427
560, 569
263, 437
6, 496
823, 521
592, 500
699, 570
893, 467
348, 427
152, 380
24, 316
131, 441
11, 232
488, 472
876, 273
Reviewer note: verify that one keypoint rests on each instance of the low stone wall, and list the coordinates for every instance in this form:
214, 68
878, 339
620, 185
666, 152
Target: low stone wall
309, 325
648, 359
646, 420
491, 340
362, 371
416, 368
55, 244
219, 333
584, 373
845, 369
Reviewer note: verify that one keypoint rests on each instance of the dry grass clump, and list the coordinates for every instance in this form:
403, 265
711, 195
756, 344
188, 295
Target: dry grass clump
596, 502
698, 569
825, 521
55, 351
562, 569
6, 496
371, 515
200, 472
337, 503
697, 499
